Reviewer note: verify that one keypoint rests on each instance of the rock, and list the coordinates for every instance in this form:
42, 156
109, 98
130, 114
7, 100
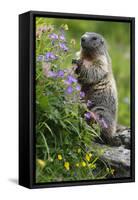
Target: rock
118, 157
124, 136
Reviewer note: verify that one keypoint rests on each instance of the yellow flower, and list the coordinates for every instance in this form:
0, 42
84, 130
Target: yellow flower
87, 157
77, 164
109, 170
90, 155
92, 166
66, 165
112, 171
66, 27
59, 157
83, 164
41, 163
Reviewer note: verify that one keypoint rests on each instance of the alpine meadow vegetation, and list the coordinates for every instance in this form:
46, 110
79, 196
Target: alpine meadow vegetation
65, 127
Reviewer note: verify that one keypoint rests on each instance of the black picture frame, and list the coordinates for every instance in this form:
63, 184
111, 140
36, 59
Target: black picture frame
27, 98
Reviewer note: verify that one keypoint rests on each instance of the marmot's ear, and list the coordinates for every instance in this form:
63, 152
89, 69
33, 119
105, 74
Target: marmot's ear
102, 41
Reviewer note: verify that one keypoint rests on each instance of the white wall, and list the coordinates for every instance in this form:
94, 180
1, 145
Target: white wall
9, 11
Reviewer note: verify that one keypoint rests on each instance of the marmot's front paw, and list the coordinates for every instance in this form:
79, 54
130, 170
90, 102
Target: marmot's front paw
74, 61
78, 63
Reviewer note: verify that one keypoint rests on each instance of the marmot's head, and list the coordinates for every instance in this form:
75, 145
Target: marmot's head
92, 42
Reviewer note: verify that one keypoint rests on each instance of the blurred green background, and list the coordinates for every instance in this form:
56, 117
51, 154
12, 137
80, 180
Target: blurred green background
117, 36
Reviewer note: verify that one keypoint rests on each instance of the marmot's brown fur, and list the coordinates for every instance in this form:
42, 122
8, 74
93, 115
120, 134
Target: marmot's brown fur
96, 78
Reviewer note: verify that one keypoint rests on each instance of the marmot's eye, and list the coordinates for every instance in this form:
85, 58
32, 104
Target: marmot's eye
94, 38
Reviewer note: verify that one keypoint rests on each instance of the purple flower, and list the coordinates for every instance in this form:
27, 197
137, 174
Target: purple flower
62, 37
53, 36
52, 74
87, 115
69, 90
60, 73
78, 87
71, 79
44, 29
40, 58
63, 46
50, 56
82, 94
103, 123
89, 103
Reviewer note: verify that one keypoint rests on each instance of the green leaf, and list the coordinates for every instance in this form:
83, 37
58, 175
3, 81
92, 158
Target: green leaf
75, 129
45, 143
46, 125
44, 102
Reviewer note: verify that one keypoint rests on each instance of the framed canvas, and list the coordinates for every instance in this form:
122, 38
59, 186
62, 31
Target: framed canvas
76, 99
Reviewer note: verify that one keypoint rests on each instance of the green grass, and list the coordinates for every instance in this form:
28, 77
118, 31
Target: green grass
63, 138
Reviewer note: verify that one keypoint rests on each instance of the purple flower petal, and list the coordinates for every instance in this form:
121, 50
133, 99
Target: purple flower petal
52, 56
40, 58
63, 46
87, 115
69, 90
49, 56
78, 87
53, 36
52, 74
103, 123
60, 73
71, 79
82, 94
62, 37
89, 103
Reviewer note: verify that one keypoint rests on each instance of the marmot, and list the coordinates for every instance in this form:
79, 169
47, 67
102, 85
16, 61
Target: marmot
94, 70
